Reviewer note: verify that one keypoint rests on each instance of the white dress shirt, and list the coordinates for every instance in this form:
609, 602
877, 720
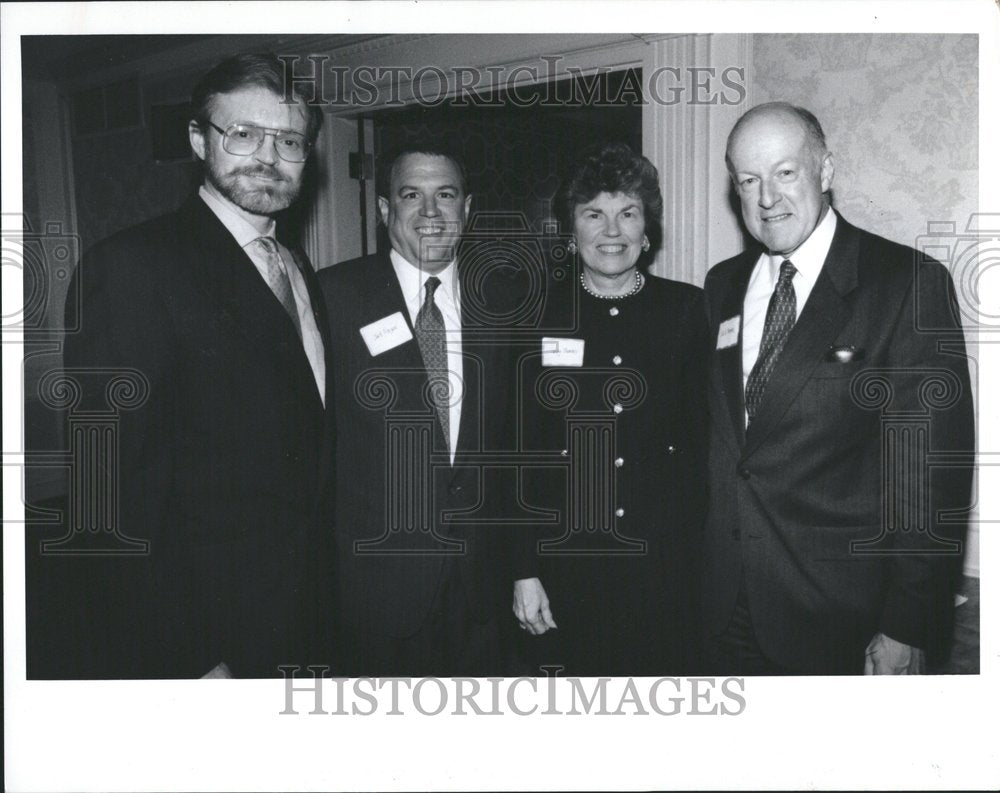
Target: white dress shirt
245, 234
448, 300
808, 259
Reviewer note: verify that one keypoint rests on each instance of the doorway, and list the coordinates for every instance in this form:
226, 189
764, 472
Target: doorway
517, 146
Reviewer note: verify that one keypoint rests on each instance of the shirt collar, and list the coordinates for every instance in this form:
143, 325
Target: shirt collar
231, 219
412, 278
808, 258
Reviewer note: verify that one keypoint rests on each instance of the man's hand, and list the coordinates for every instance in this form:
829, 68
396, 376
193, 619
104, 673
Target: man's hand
531, 606
886, 656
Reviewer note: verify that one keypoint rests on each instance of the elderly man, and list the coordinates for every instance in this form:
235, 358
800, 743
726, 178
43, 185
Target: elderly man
827, 547
423, 397
223, 467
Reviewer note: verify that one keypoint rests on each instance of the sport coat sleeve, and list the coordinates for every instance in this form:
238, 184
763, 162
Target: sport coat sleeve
123, 344
929, 376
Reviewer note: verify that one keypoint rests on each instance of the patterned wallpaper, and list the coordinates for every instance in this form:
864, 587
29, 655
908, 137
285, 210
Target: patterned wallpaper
900, 114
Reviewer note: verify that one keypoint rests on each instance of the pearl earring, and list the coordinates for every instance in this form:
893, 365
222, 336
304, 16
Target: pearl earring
571, 247
645, 242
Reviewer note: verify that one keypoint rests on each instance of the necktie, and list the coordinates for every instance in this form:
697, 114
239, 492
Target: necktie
431, 339
277, 279
777, 325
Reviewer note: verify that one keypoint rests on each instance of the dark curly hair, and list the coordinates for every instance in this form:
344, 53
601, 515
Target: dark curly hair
615, 168
389, 161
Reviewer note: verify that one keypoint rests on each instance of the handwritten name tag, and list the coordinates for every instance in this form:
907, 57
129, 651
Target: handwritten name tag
729, 333
562, 352
386, 333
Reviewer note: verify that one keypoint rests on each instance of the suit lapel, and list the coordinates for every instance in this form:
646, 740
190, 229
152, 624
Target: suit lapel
477, 359
225, 273
731, 358
318, 304
822, 317
315, 295
405, 363
385, 297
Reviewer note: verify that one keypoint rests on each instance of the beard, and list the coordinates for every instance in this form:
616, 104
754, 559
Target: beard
258, 198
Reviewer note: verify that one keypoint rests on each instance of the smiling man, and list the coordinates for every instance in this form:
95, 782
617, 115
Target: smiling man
224, 466
422, 392
827, 552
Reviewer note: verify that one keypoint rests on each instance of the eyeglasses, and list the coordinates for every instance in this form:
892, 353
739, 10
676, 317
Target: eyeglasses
244, 139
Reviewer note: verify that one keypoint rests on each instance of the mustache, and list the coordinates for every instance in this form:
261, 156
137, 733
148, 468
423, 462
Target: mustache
261, 170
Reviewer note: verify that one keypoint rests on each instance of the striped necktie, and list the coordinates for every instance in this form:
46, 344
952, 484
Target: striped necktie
277, 279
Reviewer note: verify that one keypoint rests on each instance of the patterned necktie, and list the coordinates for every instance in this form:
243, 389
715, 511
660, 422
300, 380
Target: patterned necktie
430, 336
277, 279
777, 325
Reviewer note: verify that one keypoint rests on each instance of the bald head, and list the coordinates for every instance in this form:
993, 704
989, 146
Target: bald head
781, 170
780, 113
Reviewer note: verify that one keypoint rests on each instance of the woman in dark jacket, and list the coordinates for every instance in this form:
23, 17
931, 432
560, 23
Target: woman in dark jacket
615, 397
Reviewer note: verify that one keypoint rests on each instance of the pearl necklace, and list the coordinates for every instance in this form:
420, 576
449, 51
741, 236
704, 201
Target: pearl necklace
639, 281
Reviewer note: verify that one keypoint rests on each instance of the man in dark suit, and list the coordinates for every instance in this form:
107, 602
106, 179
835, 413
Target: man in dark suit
832, 545
224, 465
423, 397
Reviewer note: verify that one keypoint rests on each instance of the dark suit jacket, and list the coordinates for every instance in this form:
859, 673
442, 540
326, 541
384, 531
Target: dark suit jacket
402, 508
824, 468
650, 461
224, 468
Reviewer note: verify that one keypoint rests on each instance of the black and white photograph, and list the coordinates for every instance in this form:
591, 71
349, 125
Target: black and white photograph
409, 396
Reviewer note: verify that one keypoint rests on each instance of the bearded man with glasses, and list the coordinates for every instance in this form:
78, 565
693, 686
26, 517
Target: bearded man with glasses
223, 465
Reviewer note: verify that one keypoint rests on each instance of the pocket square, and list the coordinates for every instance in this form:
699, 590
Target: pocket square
844, 354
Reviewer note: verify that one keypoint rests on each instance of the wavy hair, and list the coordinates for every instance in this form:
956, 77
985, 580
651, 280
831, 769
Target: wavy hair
615, 168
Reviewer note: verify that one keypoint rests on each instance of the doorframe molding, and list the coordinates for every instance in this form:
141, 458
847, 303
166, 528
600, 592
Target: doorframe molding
685, 140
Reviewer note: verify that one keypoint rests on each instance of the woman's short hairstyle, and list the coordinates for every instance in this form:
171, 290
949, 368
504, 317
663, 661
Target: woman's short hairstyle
615, 168
261, 70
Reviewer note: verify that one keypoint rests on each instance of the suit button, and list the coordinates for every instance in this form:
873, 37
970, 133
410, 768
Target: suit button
620, 512
671, 450
744, 473
617, 360
613, 311
619, 462
618, 408
564, 453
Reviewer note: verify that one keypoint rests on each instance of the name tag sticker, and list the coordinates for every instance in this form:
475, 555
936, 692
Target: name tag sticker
386, 333
562, 352
729, 333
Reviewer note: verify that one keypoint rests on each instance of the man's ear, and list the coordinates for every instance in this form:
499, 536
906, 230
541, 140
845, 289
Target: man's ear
826, 172
468, 204
383, 210
197, 139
